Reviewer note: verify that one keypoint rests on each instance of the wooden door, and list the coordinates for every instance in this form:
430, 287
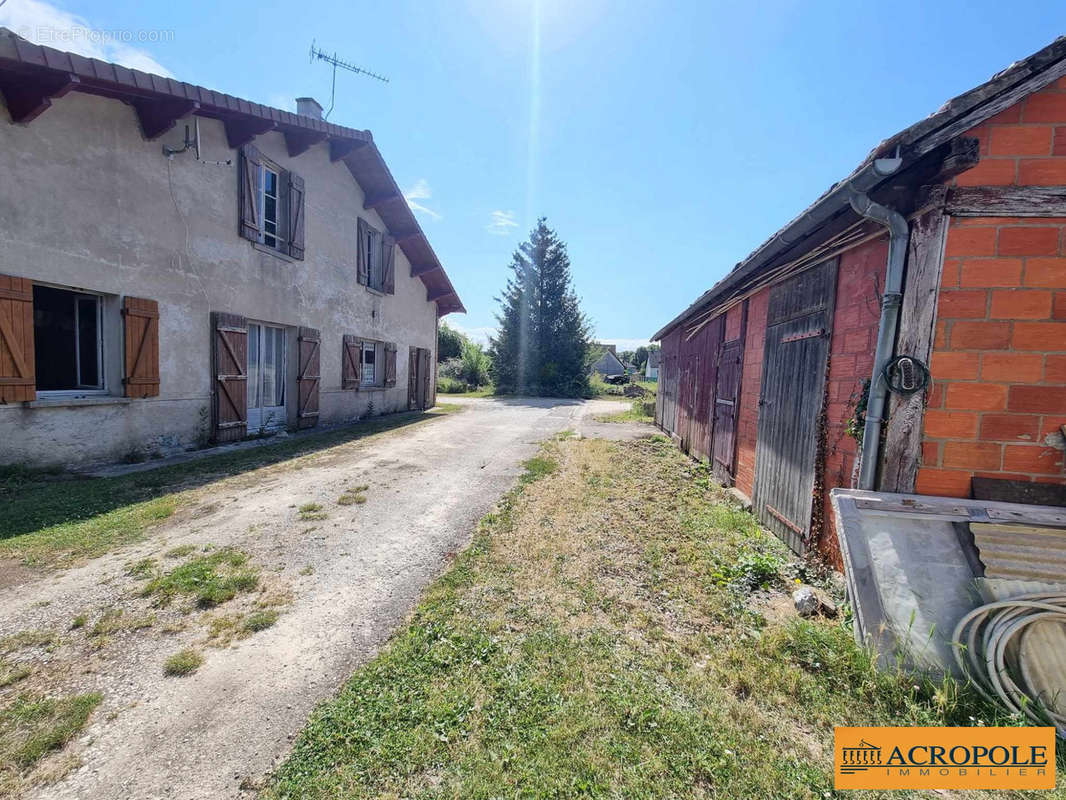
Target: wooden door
726, 396
230, 360
412, 379
790, 403
424, 389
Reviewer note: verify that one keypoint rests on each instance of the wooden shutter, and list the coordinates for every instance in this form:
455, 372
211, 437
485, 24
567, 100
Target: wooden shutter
296, 216
412, 379
388, 264
350, 362
18, 382
248, 192
141, 330
230, 400
362, 257
308, 377
427, 386
390, 364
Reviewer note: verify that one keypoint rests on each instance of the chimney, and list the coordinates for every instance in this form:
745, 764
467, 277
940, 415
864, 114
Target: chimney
308, 107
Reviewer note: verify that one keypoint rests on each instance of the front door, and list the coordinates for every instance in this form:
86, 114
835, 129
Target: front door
790, 403
266, 377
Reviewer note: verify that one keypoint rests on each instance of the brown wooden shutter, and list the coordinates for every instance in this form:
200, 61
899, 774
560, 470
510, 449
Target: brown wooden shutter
308, 377
388, 264
296, 216
141, 330
350, 362
412, 379
17, 364
248, 192
362, 257
390, 364
230, 401
427, 386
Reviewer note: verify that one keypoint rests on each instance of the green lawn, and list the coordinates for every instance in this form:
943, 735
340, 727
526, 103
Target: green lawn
48, 519
614, 630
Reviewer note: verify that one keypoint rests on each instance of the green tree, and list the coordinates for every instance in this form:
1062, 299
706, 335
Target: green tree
542, 343
475, 365
449, 343
640, 356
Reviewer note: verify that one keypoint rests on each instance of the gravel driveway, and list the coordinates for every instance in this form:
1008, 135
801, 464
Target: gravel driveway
353, 576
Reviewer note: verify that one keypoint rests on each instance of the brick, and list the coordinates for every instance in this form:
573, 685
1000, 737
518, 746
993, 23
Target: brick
1036, 335
949, 366
1032, 458
1020, 140
1058, 306
990, 272
856, 341
1044, 107
1027, 241
1058, 144
1006, 116
1046, 272
980, 335
1020, 304
964, 304
1012, 367
1055, 369
1051, 426
989, 172
994, 222
1009, 427
972, 455
949, 273
931, 454
976, 397
950, 424
940, 336
1041, 171
935, 399
944, 482
971, 242
1037, 399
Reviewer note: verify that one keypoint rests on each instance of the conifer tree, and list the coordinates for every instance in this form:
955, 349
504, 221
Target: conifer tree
542, 343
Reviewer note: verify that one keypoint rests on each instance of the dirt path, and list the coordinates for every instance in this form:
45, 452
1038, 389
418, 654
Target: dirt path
353, 577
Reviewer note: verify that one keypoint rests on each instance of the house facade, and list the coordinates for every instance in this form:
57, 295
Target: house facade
651, 366
608, 362
181, 266
930, 283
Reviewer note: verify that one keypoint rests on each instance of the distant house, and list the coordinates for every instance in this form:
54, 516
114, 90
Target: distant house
608, 362
651, 367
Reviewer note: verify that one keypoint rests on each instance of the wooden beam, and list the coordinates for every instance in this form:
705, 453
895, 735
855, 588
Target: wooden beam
402, 237
297, 142
901, 454
240, 132
962, 154
1006, 201
341, 147
159, 116
423, 269
439, 294
375, 200
29, 96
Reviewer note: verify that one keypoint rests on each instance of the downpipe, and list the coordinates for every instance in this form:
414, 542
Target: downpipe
898, 237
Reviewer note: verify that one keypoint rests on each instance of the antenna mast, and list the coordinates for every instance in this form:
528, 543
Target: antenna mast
335, 62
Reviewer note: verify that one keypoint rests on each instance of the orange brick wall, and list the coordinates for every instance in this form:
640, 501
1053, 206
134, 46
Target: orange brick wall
860, 276
999, 358
750, 383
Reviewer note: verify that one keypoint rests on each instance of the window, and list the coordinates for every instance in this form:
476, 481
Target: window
368, 373
270, 202
374, 273
68, 345
266, 376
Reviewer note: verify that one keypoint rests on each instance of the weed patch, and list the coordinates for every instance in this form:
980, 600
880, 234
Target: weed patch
33, 726
184, 662
11, 672
210, 579
311, 511
353, 496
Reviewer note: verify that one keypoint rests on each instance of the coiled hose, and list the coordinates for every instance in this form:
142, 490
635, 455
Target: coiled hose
982, 644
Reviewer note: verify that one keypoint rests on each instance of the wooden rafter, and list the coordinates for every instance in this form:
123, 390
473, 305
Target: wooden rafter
297, 142
342, 147
159, 115
240, 132
29, 96
375, 200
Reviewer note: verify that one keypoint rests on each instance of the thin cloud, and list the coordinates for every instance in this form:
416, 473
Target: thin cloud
501, 223
420, 191
43, 23
481, 335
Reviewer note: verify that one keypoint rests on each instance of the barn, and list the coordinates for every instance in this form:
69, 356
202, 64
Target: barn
905, 333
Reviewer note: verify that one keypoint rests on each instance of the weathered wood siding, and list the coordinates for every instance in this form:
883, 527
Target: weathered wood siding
666, 401
698, 375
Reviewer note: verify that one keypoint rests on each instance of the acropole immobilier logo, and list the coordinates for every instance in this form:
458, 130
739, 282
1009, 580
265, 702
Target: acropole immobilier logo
944, 758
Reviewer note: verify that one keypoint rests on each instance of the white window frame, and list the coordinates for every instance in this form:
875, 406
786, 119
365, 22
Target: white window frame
261, 184
367, 346
81, 390
280, 412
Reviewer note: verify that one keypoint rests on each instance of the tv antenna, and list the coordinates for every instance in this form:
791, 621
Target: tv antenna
335, 62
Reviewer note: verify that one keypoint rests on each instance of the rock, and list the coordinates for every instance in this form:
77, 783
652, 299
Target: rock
829, 608
806, 601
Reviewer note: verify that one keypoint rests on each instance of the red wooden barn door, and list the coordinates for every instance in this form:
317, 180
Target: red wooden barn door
308, 377
726, 396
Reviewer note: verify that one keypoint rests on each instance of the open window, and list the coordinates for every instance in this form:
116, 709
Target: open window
370, 375
68, 340
376, 257
271, 204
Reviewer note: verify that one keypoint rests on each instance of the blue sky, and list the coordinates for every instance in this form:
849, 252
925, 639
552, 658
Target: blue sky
664, 141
